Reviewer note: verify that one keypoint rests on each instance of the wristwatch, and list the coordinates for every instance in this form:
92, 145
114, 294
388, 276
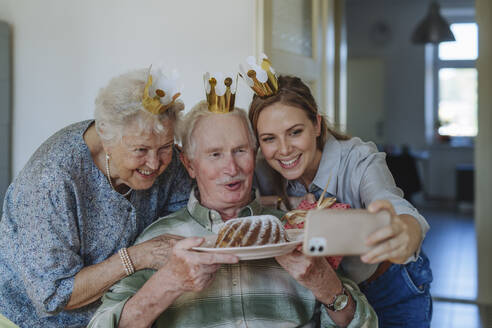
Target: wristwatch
339, 302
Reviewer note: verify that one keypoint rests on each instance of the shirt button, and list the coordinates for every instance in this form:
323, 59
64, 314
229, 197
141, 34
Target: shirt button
234, 282
129, 209
239, 322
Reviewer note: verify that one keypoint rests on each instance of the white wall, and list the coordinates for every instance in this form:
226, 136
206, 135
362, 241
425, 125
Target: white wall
365, 111
66, 50
403, 63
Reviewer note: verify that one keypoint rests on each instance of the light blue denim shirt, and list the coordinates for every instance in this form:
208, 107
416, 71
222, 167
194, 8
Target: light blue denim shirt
358, 175
59, 215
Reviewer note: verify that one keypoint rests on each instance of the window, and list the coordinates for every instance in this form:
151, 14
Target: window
456, 78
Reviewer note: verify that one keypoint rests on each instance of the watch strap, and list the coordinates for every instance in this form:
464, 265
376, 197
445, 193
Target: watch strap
340, 301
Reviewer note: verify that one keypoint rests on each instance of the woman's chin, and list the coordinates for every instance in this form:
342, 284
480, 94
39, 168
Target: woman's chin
289, 172
142, 185
292, 173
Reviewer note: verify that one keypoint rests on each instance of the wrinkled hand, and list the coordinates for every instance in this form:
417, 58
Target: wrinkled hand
393, 242
295, 201
314, 273
153, 253
190, 270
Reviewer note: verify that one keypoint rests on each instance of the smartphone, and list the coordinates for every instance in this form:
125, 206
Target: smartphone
341, 232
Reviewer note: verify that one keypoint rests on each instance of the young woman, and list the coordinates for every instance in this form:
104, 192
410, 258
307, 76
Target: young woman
305, 153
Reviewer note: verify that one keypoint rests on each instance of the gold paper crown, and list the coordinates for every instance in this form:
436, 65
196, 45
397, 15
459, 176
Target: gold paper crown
261, 78
164, 93
221, 92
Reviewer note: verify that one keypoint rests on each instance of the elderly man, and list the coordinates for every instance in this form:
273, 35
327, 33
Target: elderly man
215, 290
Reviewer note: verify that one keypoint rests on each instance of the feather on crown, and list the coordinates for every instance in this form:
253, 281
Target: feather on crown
161, 90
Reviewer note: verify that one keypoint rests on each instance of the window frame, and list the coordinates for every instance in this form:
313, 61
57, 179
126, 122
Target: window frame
438, 64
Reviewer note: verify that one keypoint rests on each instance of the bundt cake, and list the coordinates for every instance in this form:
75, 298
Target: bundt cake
251, 231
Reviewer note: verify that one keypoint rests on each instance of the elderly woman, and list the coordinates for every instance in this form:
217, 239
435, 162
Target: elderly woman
85, 195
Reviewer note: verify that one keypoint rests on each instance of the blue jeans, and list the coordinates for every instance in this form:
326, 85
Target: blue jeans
400, 296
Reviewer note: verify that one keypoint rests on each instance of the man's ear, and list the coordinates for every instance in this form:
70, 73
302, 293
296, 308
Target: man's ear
187, 164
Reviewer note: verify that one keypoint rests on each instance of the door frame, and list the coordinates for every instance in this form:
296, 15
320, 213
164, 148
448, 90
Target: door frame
329, 54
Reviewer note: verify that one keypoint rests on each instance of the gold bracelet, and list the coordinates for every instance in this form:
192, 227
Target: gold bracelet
127, 262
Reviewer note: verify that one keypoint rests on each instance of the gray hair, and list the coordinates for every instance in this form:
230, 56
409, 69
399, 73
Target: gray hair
187, 124
120, 103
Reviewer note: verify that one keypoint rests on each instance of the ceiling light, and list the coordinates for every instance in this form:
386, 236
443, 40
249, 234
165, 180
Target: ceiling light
433, 28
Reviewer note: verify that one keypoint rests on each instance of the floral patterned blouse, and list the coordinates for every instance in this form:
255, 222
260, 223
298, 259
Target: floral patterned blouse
59, 215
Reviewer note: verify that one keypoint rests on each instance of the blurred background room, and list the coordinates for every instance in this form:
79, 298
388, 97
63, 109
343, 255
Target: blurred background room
377, 68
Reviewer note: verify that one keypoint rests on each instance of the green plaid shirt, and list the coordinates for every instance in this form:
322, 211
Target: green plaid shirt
258, 293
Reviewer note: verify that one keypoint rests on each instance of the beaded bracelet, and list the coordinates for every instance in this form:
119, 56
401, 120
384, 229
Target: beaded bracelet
127, 263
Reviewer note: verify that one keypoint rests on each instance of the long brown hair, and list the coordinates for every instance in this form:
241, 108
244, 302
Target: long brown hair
292, 92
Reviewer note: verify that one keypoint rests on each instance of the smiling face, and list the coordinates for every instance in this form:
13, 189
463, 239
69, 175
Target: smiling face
139, 158
222, 162
288, 141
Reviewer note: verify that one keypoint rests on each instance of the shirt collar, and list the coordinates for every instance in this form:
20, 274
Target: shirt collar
211, 219
329, 165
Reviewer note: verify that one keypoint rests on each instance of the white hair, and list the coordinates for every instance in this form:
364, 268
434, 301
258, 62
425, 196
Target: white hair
120, 103
187, 125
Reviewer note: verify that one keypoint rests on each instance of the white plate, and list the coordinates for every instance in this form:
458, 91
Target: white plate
255, 252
